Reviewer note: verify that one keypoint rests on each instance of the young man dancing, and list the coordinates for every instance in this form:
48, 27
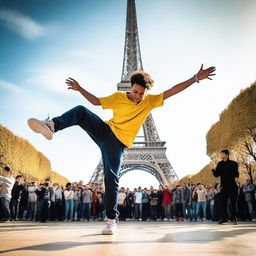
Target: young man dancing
130, 110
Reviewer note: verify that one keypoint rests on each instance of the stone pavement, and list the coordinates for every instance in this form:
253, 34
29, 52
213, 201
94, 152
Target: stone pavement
131, 239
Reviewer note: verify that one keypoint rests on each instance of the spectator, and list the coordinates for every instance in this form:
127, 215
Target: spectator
166, 202
59, 199
210, 197
76, 202
69, 202
133, 204
122, 204
94, 202
249, 190
16, 194
178, 201
138, 204
129, 205
32, 201
187, 200
193, 203
101, 204
5, 193
172, 189
53, 211
160, 211
80, 206
23, 207
44, 200
87, 201
153, 204
217, 201
201, 201
145, 205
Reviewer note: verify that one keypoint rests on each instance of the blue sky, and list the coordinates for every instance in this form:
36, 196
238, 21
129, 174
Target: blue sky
44, 42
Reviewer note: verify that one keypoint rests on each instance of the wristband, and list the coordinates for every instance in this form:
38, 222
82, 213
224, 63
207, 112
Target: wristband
196, 78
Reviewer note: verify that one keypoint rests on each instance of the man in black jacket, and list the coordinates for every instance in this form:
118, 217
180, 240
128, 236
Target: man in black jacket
16, 194
227, 170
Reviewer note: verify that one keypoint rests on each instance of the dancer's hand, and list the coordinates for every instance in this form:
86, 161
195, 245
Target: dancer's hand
211, 165
73, 84
206, 73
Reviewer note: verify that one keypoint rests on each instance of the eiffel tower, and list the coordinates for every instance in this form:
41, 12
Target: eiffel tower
148, 152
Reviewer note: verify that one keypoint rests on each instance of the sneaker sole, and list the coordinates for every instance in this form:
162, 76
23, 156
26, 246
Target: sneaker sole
39, 127
107, 233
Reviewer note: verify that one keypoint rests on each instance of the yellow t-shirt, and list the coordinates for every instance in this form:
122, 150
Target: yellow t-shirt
128, 116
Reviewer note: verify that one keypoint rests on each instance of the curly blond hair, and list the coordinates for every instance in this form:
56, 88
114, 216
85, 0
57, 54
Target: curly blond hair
142, 78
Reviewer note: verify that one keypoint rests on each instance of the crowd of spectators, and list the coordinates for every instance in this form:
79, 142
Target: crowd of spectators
190, 202
50, 201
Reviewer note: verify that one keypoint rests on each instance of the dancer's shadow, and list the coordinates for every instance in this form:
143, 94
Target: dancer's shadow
97, 234
198, 236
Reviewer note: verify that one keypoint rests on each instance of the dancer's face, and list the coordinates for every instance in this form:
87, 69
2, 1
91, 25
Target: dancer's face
137, 93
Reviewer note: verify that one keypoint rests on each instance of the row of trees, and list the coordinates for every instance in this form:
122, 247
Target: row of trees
236, 121
24, 159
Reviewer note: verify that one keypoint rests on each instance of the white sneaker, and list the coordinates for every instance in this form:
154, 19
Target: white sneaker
110, 228
46, 127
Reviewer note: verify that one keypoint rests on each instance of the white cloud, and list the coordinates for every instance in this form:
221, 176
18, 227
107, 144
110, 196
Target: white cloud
10, 87
21, 24
49, 78
53, 78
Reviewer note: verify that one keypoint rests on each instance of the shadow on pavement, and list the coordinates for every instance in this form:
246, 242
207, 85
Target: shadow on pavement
197, 236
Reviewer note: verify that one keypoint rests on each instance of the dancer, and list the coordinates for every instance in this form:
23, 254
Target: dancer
130, 109
227, 170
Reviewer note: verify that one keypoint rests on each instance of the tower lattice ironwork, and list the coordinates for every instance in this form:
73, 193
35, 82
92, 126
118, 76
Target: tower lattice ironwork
148, 152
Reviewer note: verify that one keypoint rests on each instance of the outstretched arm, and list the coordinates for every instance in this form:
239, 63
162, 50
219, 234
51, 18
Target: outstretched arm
74, 85
201, 74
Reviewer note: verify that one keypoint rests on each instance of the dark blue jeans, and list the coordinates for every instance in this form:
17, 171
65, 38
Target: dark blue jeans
86, 211
5, 208
14, 208
201, 205
153, 212
111, 149
193, 207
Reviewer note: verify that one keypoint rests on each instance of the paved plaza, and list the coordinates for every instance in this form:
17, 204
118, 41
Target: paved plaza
132, 238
